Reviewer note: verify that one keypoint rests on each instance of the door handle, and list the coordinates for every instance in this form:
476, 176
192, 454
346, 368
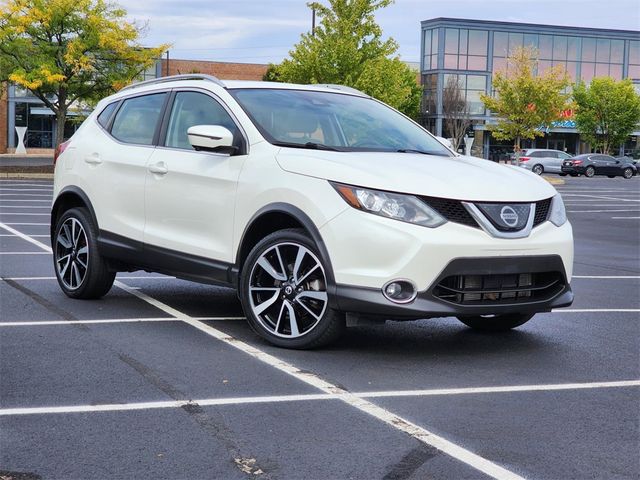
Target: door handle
159, 168
93, 159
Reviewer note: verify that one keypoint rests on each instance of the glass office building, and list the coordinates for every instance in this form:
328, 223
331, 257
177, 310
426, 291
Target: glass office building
471, 50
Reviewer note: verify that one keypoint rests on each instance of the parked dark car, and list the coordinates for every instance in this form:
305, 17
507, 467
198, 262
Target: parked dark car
590, 164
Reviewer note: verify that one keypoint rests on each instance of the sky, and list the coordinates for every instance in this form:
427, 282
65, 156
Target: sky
255, 31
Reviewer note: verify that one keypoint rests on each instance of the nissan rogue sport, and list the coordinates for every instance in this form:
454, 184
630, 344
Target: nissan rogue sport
317, 203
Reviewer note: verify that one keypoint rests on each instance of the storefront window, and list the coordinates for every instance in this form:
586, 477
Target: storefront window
39, 121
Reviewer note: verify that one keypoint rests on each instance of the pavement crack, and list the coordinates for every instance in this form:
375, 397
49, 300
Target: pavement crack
53, 308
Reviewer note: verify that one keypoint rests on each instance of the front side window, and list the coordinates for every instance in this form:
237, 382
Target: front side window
311, 119
137, 119
194, 108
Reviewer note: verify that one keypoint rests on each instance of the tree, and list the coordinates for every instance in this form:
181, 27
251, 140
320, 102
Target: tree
65, 51
347, 48
455, 110
607, 111
526, 103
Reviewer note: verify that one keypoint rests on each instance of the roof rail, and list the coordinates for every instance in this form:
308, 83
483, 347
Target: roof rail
344, 88
176, 78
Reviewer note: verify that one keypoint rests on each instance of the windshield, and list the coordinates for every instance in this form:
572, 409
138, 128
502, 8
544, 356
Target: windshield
333, 121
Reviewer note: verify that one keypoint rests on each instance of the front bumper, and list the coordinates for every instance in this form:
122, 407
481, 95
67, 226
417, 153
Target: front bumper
429, 303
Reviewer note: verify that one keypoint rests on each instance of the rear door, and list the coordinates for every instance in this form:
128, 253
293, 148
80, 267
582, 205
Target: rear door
190, 195
119, 165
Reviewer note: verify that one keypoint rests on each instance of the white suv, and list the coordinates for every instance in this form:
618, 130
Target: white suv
321, 205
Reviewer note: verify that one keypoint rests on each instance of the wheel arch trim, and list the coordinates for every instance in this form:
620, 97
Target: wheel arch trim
66, 192
302, 218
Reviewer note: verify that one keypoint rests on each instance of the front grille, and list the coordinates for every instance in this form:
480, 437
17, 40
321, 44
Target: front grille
452, 210
499, 289
542, 211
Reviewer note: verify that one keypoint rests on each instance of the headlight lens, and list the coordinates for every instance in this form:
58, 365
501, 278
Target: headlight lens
558, 215
406, 208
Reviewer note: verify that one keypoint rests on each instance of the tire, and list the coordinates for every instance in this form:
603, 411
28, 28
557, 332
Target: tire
80, 269
627, 173
574, 174
537, 169
611, 176
496, 323
563, 174
589, 172
284, 278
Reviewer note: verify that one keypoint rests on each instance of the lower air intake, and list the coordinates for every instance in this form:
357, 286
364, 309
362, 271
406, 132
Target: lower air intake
499, 289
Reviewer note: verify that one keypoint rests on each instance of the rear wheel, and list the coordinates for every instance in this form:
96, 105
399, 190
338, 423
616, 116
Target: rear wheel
496, 323
537, 169
589, 172
283, 290
80, 269
627, 173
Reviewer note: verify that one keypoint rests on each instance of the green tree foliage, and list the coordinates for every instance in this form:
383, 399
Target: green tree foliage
607, 111
347, 49
526, 103
66, 51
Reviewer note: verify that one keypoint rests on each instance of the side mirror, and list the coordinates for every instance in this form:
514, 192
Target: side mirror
211, 138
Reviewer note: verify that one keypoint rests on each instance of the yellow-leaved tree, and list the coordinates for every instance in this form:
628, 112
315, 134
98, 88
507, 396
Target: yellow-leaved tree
66, 51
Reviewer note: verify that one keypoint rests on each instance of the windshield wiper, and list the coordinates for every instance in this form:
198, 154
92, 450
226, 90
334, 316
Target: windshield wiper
309, 145
411, 150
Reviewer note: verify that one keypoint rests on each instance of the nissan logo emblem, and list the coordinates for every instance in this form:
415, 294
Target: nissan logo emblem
509, 216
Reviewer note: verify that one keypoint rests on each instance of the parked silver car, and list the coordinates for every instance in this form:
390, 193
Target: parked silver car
540, 160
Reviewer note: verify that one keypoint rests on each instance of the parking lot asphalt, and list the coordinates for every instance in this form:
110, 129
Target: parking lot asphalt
163, 378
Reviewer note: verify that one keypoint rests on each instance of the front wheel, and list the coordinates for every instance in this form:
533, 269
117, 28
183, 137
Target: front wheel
80, 269
627, 173
537, 169
496, 323
283, 290
589, 172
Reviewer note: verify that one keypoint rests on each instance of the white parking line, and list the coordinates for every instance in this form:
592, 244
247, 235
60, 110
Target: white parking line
26, 214
25, 253
626, 218
595, 310
11, 235
207, 402
606, 277
25, 195
8, 200
395, 421
601, 211
2, 189
19, 223
23, 206
46, 323
601, 197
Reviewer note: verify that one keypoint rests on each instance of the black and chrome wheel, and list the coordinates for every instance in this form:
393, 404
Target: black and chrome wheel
627, 173
80, 270
496, 323
537, 169
284, 292
589, 172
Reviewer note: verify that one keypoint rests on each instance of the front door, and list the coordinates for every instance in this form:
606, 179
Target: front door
190, 195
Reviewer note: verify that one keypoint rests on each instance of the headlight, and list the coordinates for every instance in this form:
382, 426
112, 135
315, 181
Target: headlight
558, 215
406, 208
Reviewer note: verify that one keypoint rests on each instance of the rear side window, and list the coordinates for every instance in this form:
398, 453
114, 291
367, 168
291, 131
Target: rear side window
137, 119
105, 115
193, 108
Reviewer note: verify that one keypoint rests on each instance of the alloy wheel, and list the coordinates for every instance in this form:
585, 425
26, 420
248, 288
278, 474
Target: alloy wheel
627, 173
288, 290
72, 253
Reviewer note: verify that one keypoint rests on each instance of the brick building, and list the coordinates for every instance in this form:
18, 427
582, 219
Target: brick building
19, 108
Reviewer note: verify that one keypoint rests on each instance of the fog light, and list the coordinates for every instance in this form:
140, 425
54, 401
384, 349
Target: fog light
399, 291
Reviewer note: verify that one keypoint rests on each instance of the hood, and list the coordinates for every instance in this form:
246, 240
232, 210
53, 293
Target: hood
462, 178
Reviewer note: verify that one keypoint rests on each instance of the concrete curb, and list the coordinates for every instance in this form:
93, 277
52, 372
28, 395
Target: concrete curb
23, 176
